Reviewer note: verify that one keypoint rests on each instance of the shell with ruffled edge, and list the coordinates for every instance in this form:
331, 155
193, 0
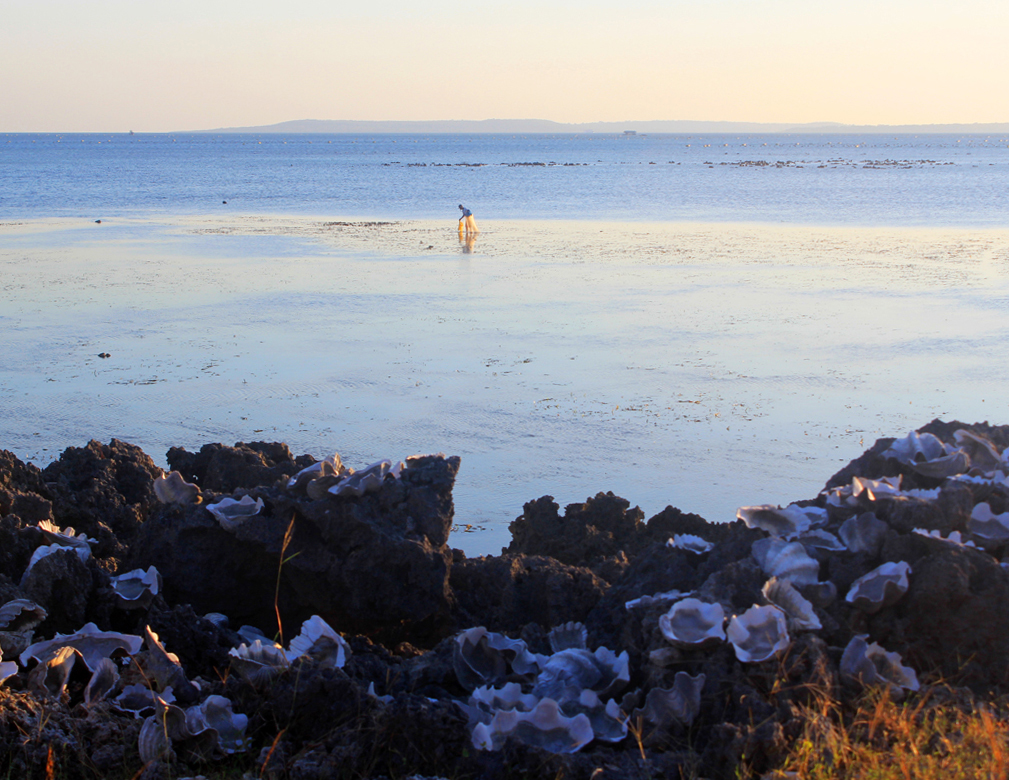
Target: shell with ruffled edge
692, 622
544, 727
786, 560
879, 588
759, 634
869, 664
231, 513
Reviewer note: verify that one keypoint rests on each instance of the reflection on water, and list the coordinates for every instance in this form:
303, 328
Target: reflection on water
467, 241
704, 366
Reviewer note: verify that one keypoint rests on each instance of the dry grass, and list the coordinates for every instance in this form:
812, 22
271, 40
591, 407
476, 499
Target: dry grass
876, 738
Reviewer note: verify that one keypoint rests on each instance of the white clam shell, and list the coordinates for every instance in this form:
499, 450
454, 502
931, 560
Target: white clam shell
231, 513
481, 657
799, 612
50, 676
326, 467
875, 489
879, 588
986, 526
954, 537
543, 727
656, 598
258, 662
215, 713
786, 522
565, 674
41, 552
787, 560
92, 644
319, 639
18, 619
567, 636
136, 589
692, 622
366, 480
694, 544
165, 668
102, 682
863, 533
758, 634
608, 723
870, 664
65, 537
983, 454
928, 455
137, 698
507, 697
679, 704
818, 539
171, 488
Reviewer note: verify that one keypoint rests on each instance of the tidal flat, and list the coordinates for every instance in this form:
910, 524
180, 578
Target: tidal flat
704, 366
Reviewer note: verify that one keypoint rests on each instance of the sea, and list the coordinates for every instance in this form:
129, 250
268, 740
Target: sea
705, 321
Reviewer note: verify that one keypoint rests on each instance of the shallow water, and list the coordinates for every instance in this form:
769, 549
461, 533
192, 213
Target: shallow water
706, 366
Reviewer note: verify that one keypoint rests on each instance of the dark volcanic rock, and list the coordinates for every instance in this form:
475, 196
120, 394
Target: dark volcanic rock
504, 593
600, 528
106, 491
222, 469
368, 564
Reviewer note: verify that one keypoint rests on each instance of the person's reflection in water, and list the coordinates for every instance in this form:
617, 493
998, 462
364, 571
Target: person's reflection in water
467, 241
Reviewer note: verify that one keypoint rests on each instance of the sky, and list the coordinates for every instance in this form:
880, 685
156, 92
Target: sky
118, 65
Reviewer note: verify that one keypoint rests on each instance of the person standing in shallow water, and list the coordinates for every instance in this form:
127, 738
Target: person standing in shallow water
467, 220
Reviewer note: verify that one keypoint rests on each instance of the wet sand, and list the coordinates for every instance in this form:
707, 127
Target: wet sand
703, 366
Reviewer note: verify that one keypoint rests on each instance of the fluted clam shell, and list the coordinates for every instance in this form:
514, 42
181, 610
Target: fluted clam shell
565, 674
326, 467
608, 723
481, 657
818, 539
799, 612
50, 676
680, 703
863, 533
927, 455
18, 619
953, 538
92, 644
231, 513
656, 598
543, 727
879, 588
137, 699
215, 714
102, 683
870, 664
783, 523
875, 489
694, 544
507, 697
567, 636
692, 622
166, 670
136, 589
788, 560
171, 488
51, 549
319, 639
367, 479
65, 537
758, 634
258, 662
983, 454
986, 526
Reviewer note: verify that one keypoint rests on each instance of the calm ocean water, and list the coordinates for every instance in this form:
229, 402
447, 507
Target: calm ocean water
929, 180
707, 322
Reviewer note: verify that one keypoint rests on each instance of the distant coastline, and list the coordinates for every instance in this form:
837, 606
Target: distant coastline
641, 128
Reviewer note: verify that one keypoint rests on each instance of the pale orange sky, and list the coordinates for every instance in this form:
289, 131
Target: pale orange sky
116, 65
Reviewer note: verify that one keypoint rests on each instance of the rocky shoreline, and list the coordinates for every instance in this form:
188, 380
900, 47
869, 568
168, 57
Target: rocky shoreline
587, 648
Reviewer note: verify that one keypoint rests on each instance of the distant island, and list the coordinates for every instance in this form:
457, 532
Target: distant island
682, 126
